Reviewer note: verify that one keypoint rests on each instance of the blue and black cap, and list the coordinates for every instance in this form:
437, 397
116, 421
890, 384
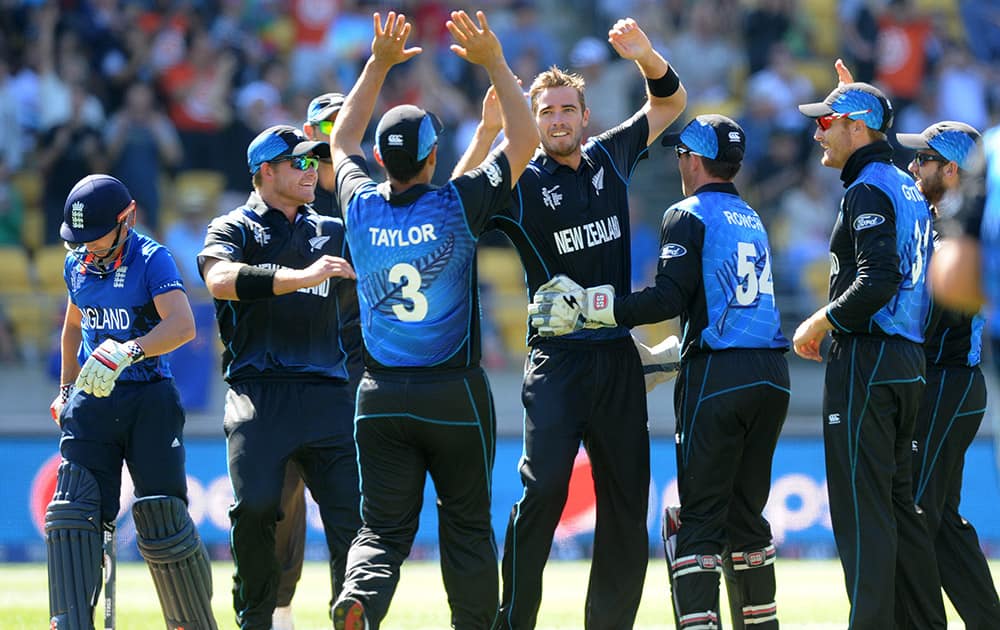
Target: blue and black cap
282, 141
856, 101
95, 205
409, 130
712, 136
953, 140
324, 106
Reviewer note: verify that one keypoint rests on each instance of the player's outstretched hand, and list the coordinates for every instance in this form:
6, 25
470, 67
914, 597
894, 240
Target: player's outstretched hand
104, 365
475, 44
389, 44
628, 40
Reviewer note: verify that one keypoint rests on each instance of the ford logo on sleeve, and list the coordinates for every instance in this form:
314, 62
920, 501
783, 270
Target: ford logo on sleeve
865, 221
672, 250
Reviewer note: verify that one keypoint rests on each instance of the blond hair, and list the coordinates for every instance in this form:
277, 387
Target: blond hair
554, 78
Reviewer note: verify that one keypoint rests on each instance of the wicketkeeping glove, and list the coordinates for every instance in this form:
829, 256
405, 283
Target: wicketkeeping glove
661, 362
105, 364
561, 306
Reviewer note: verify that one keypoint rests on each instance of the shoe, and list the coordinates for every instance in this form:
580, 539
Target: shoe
281, 619
349, 614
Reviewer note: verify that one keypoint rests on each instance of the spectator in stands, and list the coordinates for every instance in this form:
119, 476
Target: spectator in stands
197, 202
981, 20
11, 209
62, 72
198, 91
906, 49
13, 139
66, 154
705, 57
141, 145
765, 26
783, 86
617, 87
962, 89
859, 37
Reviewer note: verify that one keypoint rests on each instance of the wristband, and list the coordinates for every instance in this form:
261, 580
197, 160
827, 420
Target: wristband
135, 351
254, 283
65, 391
666, 85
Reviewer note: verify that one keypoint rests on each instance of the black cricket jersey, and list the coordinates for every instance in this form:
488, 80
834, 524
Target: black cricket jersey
714, 271
415, 256
879, 250
296, 335
576, 222
953, 338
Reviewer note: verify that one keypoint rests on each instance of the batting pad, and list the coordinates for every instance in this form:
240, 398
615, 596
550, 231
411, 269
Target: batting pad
177, 561
73, 541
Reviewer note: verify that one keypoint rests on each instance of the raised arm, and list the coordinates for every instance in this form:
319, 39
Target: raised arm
486, 132
665, 96
388, 49
479, 45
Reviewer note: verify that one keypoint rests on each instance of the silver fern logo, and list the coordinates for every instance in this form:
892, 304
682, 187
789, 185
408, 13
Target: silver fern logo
119, 282
598, 181
76, 214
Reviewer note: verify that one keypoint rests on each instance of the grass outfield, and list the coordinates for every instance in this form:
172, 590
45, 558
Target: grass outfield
810, 596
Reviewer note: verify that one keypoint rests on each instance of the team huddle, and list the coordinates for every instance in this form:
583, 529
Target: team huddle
348, 311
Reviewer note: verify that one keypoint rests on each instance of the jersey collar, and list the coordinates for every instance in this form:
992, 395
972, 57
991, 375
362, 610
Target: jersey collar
550, 165
878, 151
259, 207
718, 187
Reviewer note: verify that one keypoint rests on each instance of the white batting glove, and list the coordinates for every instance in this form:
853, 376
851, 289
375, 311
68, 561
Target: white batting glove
661, 362
105, 364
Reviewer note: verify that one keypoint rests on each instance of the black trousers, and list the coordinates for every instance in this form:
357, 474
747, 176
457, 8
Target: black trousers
268, 423
594, 393
950, 414
290, 534
730, 407
872, 392
408, 426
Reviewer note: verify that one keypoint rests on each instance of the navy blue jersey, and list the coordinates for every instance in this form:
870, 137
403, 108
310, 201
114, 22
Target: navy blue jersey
120, 305
715, 273
880, 248
576, 222
952, 338
415, 256
292, 335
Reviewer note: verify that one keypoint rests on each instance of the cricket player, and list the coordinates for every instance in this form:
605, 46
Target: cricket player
875, 374
954, 400
731, 395
126, 309
569, 215
424, 404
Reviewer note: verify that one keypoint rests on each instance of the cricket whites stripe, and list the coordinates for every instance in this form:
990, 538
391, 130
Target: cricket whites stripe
743, 560
707, 620
761, 613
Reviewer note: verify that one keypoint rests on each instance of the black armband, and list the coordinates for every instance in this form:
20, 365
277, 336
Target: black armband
666, 85
254, 283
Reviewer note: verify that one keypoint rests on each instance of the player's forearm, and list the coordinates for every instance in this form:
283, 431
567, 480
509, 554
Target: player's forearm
69, 343
357, 110
477, 151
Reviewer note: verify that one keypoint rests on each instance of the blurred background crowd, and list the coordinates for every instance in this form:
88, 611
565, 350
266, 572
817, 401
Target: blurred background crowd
166, 95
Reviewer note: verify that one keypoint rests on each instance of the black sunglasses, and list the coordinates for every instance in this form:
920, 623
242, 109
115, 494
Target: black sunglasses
681, 150
924, 158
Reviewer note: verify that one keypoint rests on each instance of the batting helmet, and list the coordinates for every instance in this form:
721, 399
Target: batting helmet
95, 206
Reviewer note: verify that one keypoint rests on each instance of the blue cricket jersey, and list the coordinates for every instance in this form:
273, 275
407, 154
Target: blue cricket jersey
414, 254
120, 304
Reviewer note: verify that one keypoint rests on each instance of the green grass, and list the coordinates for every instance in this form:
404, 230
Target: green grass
810, 596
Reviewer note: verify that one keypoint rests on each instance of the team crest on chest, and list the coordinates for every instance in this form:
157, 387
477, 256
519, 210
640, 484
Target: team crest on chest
550, 197
598, 181
260, 234
119, 281
317, 242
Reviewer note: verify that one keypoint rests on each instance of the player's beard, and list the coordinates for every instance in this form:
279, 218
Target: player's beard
932, 187
565, 146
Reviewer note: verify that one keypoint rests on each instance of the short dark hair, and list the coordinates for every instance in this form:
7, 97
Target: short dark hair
401, 166
720, 169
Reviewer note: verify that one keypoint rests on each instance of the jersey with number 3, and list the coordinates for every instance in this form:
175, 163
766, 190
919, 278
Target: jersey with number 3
414, 254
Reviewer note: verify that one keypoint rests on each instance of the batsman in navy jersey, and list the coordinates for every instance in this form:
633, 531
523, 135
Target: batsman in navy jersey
569, 215
278, 273
875, 374
126, 309
424, 404
954, 400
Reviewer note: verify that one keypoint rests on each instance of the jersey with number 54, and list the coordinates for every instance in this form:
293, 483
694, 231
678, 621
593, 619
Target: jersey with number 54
414, 254
714, 272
